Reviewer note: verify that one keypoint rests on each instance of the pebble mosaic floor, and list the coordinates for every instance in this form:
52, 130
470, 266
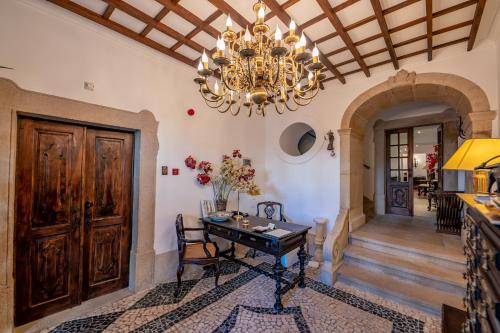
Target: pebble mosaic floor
244, 303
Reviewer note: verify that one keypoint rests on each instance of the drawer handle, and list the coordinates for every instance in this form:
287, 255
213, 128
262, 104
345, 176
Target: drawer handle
252, 239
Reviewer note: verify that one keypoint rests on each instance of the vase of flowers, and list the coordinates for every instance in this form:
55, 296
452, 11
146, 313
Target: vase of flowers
232, 175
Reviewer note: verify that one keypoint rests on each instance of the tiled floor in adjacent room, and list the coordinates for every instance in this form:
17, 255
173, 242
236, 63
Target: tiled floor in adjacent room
244, 303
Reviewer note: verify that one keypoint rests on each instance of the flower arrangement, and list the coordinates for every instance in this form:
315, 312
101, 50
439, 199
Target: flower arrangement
431, 161
232, 175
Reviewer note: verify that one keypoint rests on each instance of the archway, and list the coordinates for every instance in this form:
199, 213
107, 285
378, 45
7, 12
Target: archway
467, 98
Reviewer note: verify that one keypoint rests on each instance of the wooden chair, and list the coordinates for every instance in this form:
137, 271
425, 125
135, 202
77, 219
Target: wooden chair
195, 251
449, 213
270, 208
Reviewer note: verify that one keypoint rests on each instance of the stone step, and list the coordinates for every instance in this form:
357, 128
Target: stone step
421, 297
453, 262
408, 269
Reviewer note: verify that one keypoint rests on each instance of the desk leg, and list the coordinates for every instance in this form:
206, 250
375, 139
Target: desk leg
302, 258
232, 249
278, 272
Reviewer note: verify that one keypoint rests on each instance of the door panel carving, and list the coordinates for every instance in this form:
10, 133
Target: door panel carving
105, 257
50, 261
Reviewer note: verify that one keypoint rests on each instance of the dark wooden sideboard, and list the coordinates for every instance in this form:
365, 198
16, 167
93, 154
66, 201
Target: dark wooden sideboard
482, 251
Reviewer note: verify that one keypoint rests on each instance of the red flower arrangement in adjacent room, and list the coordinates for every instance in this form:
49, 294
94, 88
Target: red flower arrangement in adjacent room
432, 161
232, 175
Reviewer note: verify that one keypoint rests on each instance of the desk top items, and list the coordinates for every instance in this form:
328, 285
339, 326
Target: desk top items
232, 175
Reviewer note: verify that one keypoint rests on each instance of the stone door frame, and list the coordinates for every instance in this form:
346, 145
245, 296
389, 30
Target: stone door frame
463, 95
14, 102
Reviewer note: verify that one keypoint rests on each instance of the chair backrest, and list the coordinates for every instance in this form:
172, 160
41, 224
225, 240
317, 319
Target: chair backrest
270, 209
449, 212
179, 228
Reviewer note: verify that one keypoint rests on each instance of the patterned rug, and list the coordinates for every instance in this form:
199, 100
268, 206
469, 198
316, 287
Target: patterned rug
244, 303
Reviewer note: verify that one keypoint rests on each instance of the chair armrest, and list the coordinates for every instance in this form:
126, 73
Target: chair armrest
194, 229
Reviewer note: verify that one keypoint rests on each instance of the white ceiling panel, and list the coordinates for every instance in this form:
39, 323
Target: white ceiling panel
374, 45
389, 3
331, 45
405, 15
244, 7
96, 6
161, 38
408, 33
202, 11
364, 31
303, 11
320, 29
340, 57
127, 21
413, 47
459, 16
188, 52
150, 7
349, 67
356, 12
205, 40
377, 58
451, 35
177, 23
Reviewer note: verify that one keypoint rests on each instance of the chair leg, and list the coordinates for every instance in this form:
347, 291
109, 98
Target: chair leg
217, 274
254, 253
180, 270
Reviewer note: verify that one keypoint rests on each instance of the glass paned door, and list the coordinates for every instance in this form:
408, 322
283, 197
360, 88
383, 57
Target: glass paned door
399, 170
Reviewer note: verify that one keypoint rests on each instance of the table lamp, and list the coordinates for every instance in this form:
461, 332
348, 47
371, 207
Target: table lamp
479, 155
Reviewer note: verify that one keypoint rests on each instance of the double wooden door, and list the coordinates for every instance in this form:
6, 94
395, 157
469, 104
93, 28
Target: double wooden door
73, 215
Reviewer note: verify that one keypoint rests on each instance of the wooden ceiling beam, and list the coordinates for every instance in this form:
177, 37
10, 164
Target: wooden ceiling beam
412, 54
82, 11
409, 41
428, 15
141, 16
163, 12
335, 21
199, 28
286, 19
377, 8
475, 26
405, 25
109, 10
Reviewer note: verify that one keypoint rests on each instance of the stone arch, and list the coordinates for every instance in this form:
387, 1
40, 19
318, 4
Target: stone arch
463, 95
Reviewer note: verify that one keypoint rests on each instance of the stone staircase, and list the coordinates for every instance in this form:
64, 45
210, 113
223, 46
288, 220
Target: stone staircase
411, 276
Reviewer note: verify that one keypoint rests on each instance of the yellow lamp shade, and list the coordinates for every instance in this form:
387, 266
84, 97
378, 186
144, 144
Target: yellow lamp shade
472, 153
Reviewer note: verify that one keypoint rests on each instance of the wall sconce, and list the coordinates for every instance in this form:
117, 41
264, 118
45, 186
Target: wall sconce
415, 162
330, 137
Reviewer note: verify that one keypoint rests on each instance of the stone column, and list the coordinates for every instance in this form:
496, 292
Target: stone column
319, 239
379, 174
450, 145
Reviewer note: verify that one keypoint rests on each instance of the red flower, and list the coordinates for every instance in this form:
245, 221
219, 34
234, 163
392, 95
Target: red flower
225, 158
190, 162
205, 166
250, 174
236, 153
203, 178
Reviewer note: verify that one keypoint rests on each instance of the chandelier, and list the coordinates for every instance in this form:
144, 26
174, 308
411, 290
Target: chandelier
257, 70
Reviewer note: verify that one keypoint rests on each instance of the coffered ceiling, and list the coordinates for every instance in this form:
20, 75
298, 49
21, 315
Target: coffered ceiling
354, 36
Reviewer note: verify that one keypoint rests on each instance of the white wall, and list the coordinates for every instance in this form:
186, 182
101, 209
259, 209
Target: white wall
311, 189
54, 51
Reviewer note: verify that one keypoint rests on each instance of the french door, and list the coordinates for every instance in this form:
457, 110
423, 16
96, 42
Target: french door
73, 208
399, 171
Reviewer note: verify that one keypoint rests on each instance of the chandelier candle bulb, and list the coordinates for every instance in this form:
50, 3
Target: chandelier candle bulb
229, 23
315, 55
248, 39
277, 37
292, 28
261, 14
204, 60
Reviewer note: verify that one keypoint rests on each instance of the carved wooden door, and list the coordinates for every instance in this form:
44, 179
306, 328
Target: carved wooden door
399, 171
108, 174
48, 213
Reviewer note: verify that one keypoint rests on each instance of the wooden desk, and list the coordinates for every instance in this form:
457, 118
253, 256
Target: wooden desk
236, 232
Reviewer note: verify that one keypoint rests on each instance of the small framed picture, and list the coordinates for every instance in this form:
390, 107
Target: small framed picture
247, 161
207, 207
